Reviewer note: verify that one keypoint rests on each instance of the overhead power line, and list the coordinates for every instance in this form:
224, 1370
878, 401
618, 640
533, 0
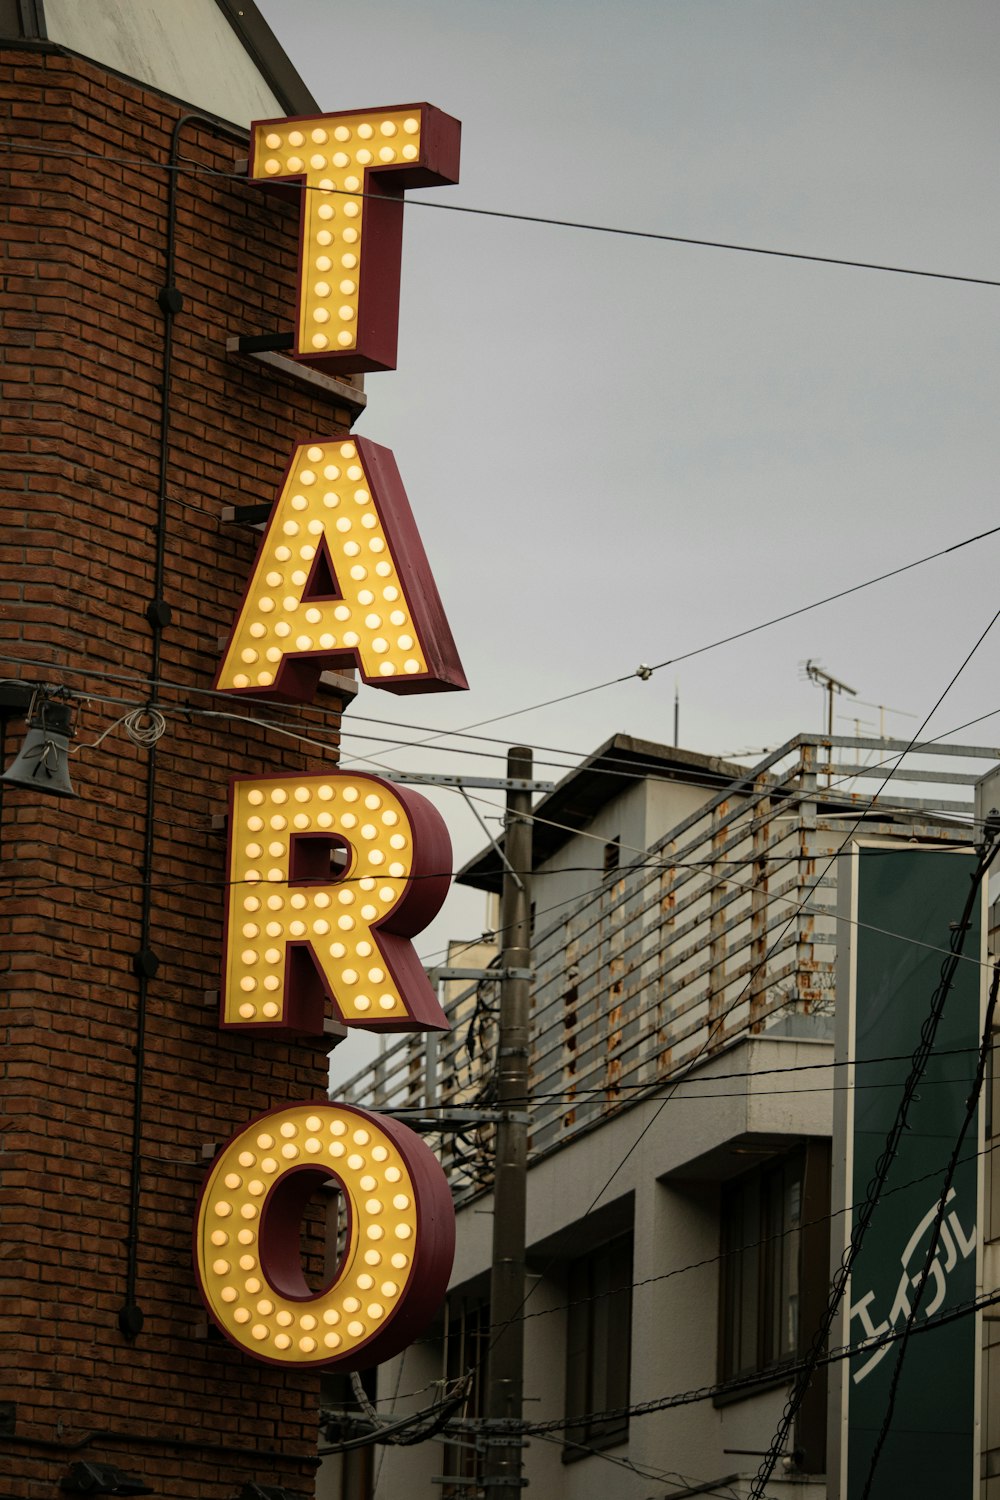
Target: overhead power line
702, 1081
626, 771
760, 1244
765, 1378
159, 683
677, 1481
38, 884
643, 672
720, 1020
186, 167
920, 1286
841, 1279
743, 1384
35, 885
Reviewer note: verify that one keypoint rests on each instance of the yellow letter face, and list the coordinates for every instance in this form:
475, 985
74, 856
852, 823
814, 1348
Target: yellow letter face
350, 170
341, 579
329, 878
400, 1237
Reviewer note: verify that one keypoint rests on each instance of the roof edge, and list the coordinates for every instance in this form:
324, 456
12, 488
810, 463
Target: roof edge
255, 36
623, 752
269, 57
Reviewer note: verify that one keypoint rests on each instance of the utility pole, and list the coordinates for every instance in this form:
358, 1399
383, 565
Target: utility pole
502, 1478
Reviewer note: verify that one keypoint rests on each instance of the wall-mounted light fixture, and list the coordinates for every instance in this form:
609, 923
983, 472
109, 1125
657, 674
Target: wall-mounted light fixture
42, 763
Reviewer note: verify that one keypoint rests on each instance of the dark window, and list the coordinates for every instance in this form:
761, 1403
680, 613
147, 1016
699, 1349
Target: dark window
612, 856
467, 1342
761, 1218
598, 1345
775, 1274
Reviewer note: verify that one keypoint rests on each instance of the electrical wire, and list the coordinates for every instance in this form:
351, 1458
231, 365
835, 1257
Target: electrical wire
405, 1111
749, 1383
376, 1401
145, 726
31, 884
643, 1471
842, 1275
568, 828
769, 897
920, 1056
587, 899
765, 1242
644, 672
738, 1074
357, 1079
40, 886
635, 769
186, 165
719, 1020
787, 801
356, 1383
552, 1097
466, 731
920, 1286
405, 1431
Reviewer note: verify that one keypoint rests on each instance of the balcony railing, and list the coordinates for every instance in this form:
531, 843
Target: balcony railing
725, 926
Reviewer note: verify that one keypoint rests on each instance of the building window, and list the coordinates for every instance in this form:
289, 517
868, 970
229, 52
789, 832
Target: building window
761, 1219
775, 1274
598, 1346
467, 1344
612, 857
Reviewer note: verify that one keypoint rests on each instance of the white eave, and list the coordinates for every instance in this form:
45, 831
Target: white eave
216, 55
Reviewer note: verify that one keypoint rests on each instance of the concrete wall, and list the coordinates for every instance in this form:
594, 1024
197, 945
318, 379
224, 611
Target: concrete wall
669, 1184
639, 815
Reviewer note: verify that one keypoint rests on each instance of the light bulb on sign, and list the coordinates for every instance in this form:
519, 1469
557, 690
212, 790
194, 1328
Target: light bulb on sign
341, 538
350, 171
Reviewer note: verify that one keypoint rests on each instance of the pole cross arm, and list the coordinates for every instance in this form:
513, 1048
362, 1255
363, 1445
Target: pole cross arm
443, 972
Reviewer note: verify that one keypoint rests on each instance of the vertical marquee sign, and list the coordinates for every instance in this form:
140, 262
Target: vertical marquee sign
897, 903
330, 877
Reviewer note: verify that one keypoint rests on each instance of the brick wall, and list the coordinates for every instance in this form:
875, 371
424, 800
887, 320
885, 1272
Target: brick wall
81, 372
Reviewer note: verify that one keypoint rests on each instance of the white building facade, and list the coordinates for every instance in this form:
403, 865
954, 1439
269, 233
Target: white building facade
681, 1108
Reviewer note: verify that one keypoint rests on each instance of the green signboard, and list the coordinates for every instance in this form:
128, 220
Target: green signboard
903, 903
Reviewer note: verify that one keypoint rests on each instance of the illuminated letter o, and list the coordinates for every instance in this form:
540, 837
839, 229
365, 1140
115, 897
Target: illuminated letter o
400, 1237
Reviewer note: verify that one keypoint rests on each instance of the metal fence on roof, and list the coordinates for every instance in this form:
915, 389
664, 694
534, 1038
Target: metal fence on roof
726, 925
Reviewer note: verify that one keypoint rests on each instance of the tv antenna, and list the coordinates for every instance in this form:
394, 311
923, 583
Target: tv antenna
831, 686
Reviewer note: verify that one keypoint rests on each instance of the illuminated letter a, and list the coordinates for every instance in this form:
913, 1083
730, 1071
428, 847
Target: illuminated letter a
341, 579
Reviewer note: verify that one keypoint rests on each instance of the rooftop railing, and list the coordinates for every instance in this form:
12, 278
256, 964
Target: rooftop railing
724, 927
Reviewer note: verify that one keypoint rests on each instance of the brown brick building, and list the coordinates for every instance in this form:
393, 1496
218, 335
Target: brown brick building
131, 251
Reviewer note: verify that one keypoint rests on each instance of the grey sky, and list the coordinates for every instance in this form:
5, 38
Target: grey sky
618, 449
